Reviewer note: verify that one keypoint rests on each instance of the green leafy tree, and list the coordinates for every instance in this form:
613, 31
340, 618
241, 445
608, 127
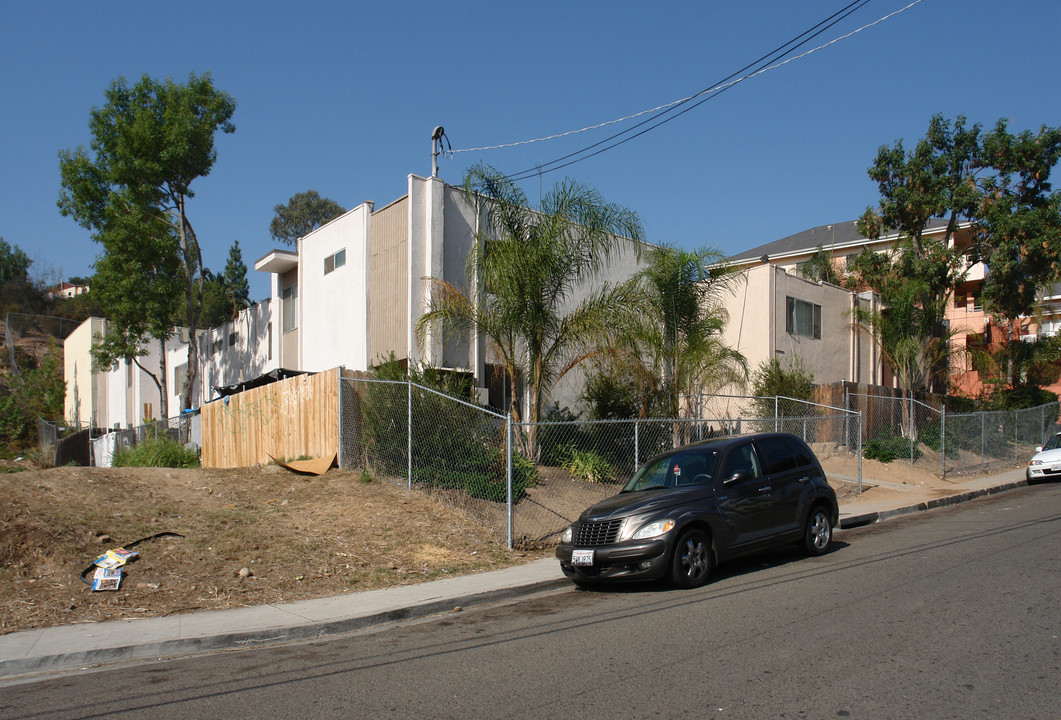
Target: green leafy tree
137, 280
236, 279
907, 337
303, 213
227, 292
669, 331
38, 391
998, 182
774, 378
1018, 219
820, 268
150, 142
14, 264
527, 263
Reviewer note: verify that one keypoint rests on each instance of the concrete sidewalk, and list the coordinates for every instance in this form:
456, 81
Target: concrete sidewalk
85, 645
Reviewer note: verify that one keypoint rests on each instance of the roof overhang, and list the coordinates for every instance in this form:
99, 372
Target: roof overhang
277, 261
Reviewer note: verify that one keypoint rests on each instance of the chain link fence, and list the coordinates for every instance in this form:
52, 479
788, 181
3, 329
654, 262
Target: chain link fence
420, 438
528, 481
96, 447
951, 443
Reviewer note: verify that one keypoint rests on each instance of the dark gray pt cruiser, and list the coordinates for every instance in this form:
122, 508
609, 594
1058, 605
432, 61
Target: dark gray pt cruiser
689, 509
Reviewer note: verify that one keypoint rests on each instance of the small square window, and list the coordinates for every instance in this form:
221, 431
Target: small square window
334, 261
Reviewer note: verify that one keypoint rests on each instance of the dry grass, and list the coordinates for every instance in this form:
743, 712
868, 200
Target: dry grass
297, 538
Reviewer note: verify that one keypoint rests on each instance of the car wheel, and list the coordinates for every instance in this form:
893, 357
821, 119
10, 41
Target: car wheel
818, 531
691, 562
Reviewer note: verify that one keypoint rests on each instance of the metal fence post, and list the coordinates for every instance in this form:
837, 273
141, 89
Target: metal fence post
637, 445
943, 442
775, 413
508, 472
847, 418
409, 425
340, 395
911, 428
1015, 435
983, 419
859, 452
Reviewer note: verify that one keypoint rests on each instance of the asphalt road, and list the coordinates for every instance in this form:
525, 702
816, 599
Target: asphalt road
948, 614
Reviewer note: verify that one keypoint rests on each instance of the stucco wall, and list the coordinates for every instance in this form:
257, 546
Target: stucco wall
334, 305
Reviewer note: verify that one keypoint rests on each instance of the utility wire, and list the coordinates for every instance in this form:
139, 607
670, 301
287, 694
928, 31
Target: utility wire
774, 57
655, 109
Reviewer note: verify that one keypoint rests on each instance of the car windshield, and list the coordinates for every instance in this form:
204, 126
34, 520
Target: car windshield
678, 469
1053, 443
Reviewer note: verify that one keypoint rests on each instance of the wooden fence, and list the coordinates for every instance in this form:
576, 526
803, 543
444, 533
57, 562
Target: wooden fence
292, 418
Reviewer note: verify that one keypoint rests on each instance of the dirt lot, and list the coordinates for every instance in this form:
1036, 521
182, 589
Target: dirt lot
263, 535
251, 536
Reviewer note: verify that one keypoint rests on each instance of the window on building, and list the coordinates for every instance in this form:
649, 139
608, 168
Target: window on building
180, 375
232, 339
335, 261
289, 308
270, 343
803, 318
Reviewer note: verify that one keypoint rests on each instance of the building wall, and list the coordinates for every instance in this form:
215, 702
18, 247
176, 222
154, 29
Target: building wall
237, 351
757, 327
334, 303
288, 340
84, 391
388, 282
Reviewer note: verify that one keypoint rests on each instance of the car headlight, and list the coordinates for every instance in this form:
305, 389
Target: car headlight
653, 529
1035, 462
567, 534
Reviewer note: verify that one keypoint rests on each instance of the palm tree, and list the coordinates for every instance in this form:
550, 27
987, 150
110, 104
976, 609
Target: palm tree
523, 268
671, 329
907, 335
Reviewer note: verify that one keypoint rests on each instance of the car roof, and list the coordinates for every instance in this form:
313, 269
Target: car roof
723, 442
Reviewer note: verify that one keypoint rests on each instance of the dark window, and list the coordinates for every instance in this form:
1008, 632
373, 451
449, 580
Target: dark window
741, 458
800, 452
803, 318
776, 454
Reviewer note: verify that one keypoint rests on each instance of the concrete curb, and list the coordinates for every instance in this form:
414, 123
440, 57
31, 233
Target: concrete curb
855, 521
23, 667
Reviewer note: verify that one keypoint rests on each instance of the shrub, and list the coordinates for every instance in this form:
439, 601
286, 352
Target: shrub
772, 379
588, 465
157, 452
888, 447
932, 439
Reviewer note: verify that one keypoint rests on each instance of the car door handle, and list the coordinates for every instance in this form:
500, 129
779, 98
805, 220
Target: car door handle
804, 479
765, 489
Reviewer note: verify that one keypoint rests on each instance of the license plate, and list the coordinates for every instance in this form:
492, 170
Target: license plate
1055, 468
581, 557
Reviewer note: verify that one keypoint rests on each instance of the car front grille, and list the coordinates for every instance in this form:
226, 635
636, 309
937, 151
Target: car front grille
597, 533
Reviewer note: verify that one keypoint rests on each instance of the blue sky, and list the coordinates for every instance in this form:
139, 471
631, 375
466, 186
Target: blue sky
342, 98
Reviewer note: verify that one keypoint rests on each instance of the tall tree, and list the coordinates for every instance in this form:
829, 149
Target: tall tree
303, 213
527, 262
136, 282
150, 142
236, 279
14, 264
999, 184
671, 325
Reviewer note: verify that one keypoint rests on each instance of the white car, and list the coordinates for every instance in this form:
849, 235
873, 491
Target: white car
1046, 463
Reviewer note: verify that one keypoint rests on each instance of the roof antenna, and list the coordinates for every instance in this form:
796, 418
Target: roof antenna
436, 148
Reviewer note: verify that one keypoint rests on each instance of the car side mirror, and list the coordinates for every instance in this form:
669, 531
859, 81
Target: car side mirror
1038, 448
739, 476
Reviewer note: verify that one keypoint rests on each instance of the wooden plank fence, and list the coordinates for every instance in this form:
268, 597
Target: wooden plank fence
288, 419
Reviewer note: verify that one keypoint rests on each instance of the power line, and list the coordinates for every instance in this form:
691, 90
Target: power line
669, 111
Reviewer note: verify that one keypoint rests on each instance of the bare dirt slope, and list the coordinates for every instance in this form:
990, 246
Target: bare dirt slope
292, 536
263, 535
